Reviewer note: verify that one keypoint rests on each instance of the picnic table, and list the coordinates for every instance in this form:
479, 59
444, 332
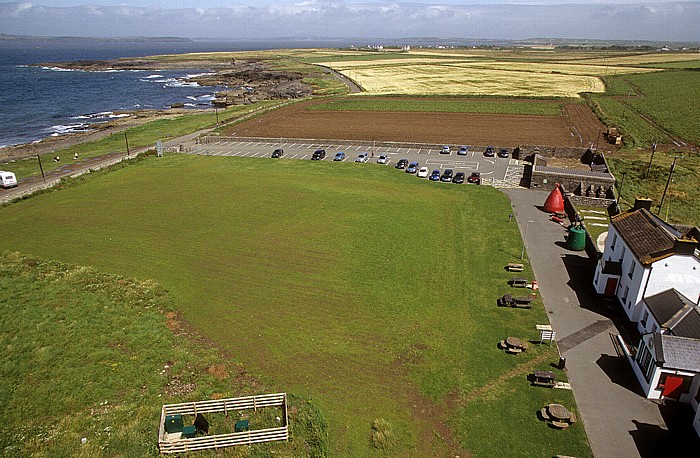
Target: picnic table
543, 378
558, 416
508, 300
518, 282
513, 345
514, 267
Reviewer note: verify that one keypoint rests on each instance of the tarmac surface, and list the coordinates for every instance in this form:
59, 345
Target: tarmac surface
619, 420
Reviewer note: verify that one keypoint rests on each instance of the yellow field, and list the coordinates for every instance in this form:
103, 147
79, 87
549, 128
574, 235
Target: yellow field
654, 58
565, 68
436, 79
425, 76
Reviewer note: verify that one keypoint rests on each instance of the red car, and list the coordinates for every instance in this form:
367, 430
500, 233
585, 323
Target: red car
475, 177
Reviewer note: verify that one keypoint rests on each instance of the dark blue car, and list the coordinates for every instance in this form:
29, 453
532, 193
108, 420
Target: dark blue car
435, 176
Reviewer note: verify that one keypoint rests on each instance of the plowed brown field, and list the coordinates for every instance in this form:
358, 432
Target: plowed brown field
577, 127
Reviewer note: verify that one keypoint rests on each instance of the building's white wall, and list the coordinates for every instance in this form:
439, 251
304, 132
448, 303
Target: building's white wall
651, 324
681, 272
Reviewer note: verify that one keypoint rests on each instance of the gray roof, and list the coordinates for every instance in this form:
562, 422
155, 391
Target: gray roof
680, 353
676, 313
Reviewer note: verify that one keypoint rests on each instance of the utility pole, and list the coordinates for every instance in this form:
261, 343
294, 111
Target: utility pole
668, 182
126, 139
653, 150
41, 168
619, 191
624, 107
216, 111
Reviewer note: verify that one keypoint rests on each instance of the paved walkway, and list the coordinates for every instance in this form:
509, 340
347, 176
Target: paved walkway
620, 422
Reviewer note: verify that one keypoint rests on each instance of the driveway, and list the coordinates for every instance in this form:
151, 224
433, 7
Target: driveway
620, 422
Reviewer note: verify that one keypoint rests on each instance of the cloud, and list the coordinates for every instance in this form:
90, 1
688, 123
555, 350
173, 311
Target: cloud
676, 21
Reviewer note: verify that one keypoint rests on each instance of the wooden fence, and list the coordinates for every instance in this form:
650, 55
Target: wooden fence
177, 444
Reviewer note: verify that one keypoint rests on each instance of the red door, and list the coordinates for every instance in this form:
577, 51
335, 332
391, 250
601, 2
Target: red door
672, 387
611, 286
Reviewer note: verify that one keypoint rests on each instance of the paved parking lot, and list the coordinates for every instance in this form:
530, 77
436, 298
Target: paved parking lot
495, 171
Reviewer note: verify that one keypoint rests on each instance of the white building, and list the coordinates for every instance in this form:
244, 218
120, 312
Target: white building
644, 256
653, 269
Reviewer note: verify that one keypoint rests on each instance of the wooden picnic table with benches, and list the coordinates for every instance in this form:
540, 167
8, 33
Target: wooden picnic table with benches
514, 267
508, 300
543, 378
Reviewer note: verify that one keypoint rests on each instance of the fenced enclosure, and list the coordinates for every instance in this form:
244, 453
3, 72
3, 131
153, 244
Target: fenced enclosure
179, 439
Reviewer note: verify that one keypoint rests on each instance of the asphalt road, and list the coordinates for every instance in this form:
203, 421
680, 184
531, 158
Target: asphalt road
495, 171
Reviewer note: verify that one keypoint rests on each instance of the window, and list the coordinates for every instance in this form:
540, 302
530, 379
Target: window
614, 241
622, 256
624, 295
644, 361
631, 272
644, 318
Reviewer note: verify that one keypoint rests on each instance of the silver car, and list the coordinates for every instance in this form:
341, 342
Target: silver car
383, 159
362, 157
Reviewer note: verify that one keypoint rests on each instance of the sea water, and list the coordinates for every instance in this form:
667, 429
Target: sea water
47, 100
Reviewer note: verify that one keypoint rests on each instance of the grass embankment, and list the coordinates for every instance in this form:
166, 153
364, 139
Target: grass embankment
361, 287
516, 107
89, 355
145, 135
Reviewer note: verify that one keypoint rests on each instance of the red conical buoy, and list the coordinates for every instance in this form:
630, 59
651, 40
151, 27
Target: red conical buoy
555, 201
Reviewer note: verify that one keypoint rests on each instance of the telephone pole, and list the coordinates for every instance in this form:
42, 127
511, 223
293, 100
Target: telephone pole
126, 139
668, 182
653, 150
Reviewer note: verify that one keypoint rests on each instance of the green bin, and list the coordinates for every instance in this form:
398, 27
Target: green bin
577, 239
173, 423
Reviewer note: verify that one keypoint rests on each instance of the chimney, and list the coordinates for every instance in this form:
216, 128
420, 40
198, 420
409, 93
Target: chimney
642, 202
685, 246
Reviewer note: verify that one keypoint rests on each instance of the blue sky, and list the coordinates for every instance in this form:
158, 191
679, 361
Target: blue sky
659, 20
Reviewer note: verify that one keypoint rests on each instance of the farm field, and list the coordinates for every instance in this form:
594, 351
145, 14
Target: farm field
423, 120
325, 281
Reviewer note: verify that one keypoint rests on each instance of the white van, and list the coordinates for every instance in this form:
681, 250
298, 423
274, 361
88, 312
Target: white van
7, 179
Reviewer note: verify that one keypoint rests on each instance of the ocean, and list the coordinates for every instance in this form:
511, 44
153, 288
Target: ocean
41, 101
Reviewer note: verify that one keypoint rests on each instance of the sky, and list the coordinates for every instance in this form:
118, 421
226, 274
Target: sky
656, 20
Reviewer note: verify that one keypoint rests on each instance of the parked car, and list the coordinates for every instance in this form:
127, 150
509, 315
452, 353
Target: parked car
445, 150
423, 172
458, 178
412, 167
489, 152
503, 152
446, 175
475, 178
8, 180
435, 176
339, 156
362, 157
279, 152
463, 151
318, 155
401, 164
383, 159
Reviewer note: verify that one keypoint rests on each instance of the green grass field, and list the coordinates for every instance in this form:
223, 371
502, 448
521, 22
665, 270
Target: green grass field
367, 290
88, 355
519, 107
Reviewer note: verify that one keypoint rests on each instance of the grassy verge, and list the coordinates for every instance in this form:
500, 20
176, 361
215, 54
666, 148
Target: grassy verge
517, 107
94, 356
138, 137
366, 289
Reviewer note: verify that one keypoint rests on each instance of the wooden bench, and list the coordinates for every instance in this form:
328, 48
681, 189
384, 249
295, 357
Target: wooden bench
572, 418
518, 282
507, 300
543, 414
560, 424
513, 351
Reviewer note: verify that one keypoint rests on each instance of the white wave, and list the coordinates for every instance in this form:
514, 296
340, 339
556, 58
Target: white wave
180, 83
63, 129
61, 69
195, 75
150, 77
189, 104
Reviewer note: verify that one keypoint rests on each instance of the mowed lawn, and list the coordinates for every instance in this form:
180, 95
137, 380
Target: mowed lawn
359, 286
